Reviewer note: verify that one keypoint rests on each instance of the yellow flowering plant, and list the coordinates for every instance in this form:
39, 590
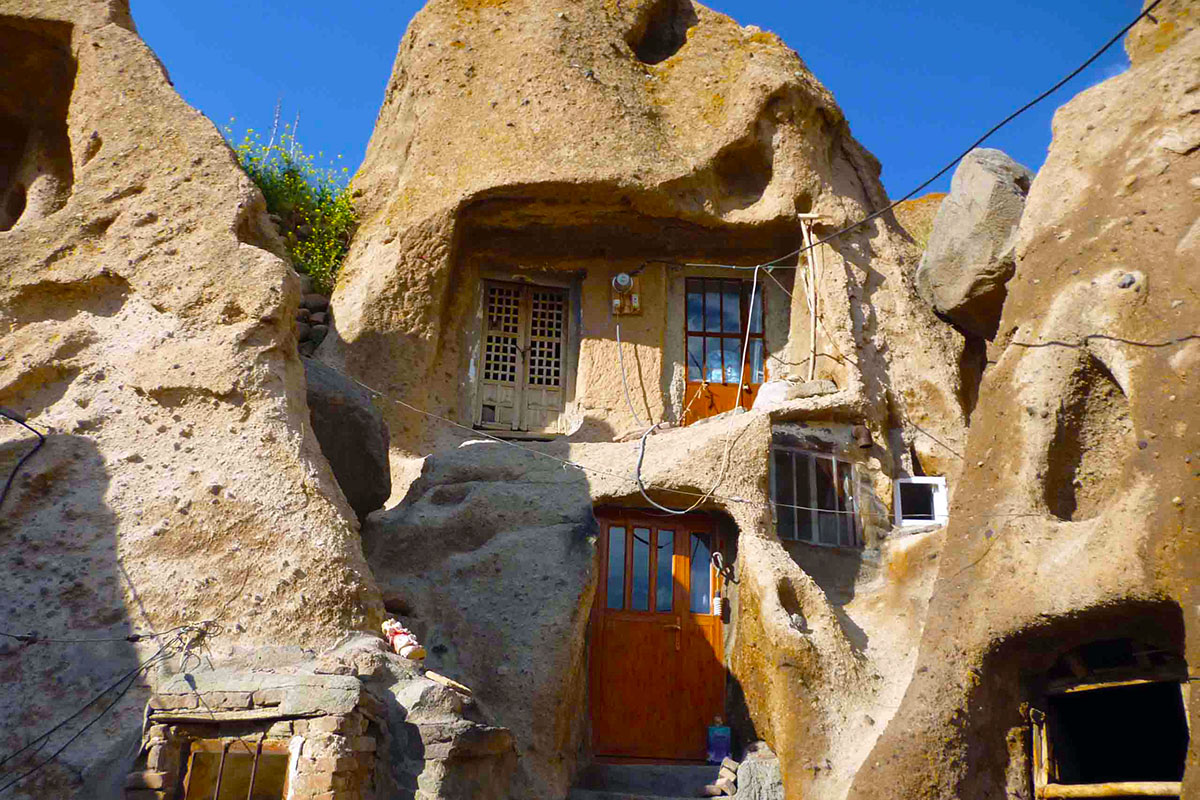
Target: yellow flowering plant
313, 203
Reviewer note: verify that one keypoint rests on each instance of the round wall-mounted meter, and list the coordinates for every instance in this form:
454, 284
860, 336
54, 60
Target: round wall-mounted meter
622, 283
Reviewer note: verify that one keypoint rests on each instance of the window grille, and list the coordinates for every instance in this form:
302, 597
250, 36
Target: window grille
503, 328
814, 496
547, 317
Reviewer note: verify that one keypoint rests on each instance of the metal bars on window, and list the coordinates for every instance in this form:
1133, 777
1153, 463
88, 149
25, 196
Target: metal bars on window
719, 319
547, 316
814, 497
502, 338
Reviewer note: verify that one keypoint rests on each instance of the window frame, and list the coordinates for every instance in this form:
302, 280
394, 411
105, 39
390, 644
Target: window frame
744, 314
856, 534
941, 503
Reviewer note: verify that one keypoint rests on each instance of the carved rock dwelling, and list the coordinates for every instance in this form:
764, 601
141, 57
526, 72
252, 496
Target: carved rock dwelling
664, 465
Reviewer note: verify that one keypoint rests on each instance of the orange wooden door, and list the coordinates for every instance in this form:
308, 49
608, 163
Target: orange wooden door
704, 400
657, 676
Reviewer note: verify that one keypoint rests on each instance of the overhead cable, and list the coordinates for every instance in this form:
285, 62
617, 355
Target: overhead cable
19, 418
1103, 49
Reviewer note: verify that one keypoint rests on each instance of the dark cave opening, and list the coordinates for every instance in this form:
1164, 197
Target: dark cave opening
663, 31
1134, 732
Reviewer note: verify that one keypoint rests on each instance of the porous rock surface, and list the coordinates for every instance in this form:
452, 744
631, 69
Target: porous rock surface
490, 561
557, 136
145, 327
972, 248
1077, 518
352, 435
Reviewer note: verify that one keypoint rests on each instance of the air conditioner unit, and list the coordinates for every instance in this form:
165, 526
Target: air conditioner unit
921, 501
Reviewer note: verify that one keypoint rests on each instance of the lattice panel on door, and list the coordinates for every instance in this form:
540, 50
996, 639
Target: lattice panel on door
503, 328
547, 317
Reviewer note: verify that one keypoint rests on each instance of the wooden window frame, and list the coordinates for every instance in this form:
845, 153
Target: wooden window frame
812, 512
1045, 768
744, 309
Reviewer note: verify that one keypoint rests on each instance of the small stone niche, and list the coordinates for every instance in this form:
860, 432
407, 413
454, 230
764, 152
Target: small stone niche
259, 736
36, 171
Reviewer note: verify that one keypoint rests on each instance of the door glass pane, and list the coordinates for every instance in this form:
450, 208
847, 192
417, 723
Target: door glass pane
754, 368
695, 305
701, 601
712, 306
785, 495
664, 587
733, 360
695, 358
731, 306
713, 371
756, 312
616, 568
639, 598
804, 497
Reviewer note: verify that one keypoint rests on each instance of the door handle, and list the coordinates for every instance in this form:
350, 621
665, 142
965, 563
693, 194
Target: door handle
678, 635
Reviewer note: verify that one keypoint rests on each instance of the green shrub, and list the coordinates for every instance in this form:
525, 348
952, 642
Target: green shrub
314, 203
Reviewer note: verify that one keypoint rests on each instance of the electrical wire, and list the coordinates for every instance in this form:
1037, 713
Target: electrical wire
625, 384
1103, 49
130, 676
582, 467
34, 638
179, 640
18, 418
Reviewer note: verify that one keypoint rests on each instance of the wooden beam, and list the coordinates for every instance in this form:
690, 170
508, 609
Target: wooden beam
1121, 789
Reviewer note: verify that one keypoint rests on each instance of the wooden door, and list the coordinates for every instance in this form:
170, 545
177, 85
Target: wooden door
657, 674
523, 345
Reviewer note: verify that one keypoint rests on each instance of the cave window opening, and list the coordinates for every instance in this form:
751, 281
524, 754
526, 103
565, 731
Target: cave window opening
1113, 723
921, 501
814, 499
236, 770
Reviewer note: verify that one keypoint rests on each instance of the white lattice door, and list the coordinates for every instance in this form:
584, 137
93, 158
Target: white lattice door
524, 358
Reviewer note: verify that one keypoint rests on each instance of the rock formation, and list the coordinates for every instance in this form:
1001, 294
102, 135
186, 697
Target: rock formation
972, 250
588, 141
566, 191
352, 436
491, 560
146, 319
1077, 517
576, 155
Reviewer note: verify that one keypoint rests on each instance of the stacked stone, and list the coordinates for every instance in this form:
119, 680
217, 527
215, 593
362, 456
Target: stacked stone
333, 758
313, 318
163, 762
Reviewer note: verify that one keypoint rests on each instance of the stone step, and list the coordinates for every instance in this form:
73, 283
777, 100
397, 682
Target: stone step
619, 781
596, 794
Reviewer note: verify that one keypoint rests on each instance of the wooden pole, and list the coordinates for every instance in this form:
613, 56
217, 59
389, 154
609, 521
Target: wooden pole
1121, 789
810, 255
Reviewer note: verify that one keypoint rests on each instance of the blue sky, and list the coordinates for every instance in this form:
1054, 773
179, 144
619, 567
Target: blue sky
918, 81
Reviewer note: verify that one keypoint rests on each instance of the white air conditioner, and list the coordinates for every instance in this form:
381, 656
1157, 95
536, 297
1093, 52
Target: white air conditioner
921, 501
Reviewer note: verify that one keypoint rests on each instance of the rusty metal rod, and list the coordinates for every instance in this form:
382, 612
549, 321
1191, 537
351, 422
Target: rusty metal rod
254, 766
220, 771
